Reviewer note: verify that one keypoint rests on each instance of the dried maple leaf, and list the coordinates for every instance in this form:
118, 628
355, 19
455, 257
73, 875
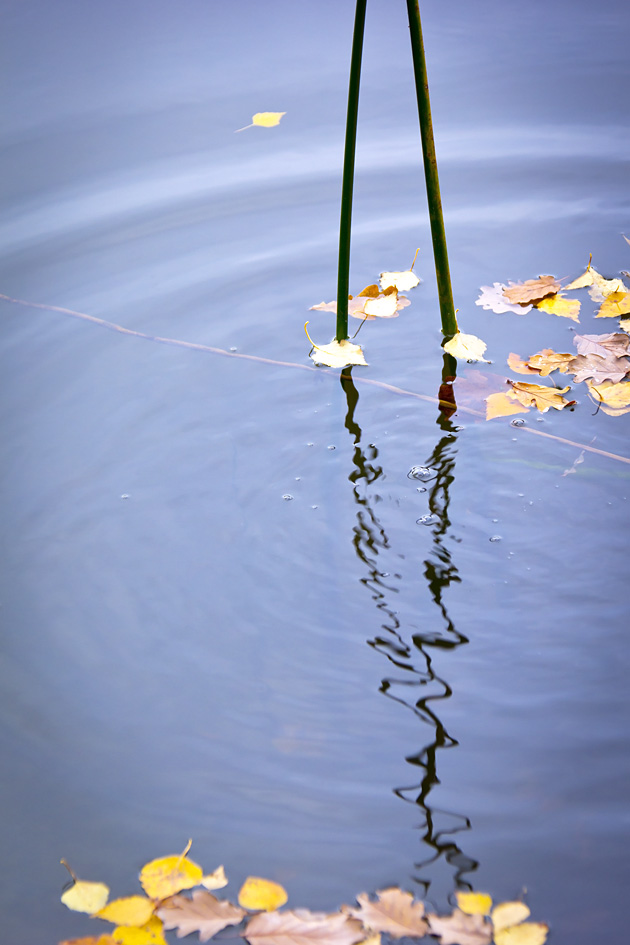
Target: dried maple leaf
541, 397
492, 298
598, 369
558, 305
394, 912
532, 289
614, 398
461, 929
615, 304
614, 343
548, 360
466, 347
301, 927
204, 913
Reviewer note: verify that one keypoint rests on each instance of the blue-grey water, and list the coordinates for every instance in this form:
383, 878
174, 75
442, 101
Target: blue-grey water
316, 689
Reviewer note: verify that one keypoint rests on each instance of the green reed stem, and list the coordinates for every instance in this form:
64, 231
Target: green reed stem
445, 291
343, 272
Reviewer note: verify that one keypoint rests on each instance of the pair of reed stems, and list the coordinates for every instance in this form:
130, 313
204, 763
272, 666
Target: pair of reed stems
445, 292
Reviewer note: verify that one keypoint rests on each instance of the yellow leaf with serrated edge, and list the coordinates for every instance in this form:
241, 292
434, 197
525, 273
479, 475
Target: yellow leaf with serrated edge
466, 347
558, 305
616, 304
529, 933
403, 280
267, 119
169, 875
337, 354
540, 396
216, 880
258, 893
503, 405
614, 398
86, 896
473, 903
149, 934
508, 913
521, 367
130, 910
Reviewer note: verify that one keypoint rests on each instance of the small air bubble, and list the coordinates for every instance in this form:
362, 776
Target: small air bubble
298, 478
458, 429
310, 444
233, 349
495, 538
125, 495
421, 489
287, 497
428, 519
332, 447
423, 473
314, 506
495, 520
519, 422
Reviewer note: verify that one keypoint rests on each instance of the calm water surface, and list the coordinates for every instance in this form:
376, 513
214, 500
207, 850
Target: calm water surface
317, 688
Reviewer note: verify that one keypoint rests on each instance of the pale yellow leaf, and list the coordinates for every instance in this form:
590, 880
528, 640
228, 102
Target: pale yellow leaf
338, 354
130, 910
372, 939
403, 281
521, 367
602, 288
216, 880
586, 279
259, 893
473, 903
529, 933
624, 324
169, 875
86, 896
615, 304
149, 934
384, 307
540, 396
502, 405
614, 398
508, 913
267, 119
466, 347
558, 305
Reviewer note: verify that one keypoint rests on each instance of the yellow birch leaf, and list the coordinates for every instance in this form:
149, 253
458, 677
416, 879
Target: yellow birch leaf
216, 880
614, 398
616, 304
336, 354
258, 893
587, 278
466, 347
541, 397
502, 405
85, 896
403, 281
169, 875
385, 307
508, 913
89, 940
149, 934
548, 360
267, 119
602, 288
130, 910
529, 933
473, 903
521, 367
558, 305
624, 324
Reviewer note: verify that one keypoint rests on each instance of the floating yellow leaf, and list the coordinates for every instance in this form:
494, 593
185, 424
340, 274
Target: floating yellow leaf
624, 324
85, 896
466, 347
216, 880
372, 940
337, 354
264, 120
90, 940
598, 286
473, 903
169, 875
521, 367
548, 360
149, 934
402, 281
508, 913
615, 304
503, 405
541, 397
130, 910
558, 305
258, 893
614, 398
529, 933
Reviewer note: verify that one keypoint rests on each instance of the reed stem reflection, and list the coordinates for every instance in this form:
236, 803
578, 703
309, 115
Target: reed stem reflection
419, 687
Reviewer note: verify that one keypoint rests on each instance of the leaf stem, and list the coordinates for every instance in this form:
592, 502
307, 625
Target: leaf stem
343, 271
445, 291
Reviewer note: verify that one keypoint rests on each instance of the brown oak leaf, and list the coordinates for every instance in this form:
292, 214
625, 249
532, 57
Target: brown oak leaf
394, 912
598, 369
532, 290
461, 929
204, 913
616, 343
302, 927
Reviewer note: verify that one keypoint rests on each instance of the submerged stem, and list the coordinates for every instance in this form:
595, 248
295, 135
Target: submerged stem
445, 291
343, 272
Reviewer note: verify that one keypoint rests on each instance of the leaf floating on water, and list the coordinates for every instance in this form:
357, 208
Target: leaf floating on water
614, 343
84, 895
169, 875
492, 298
541, 397
548, 360
598, 369
259, 893
402, 281
558, 305
614, 398
503, 404
532, 290
461, 929
508, 913
473, 903
149, 934
264, 120
394, 912
624, 323
301, 927
129, 910
466, 347
521, 367
216, 880
528, 933
89, 940
204, 913
369, 303
615, 304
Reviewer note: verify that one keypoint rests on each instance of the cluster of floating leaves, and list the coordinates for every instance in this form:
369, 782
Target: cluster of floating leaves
602, 362
142, 920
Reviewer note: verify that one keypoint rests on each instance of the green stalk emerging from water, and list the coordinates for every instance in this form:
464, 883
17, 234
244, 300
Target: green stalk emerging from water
445, 291
343, 272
